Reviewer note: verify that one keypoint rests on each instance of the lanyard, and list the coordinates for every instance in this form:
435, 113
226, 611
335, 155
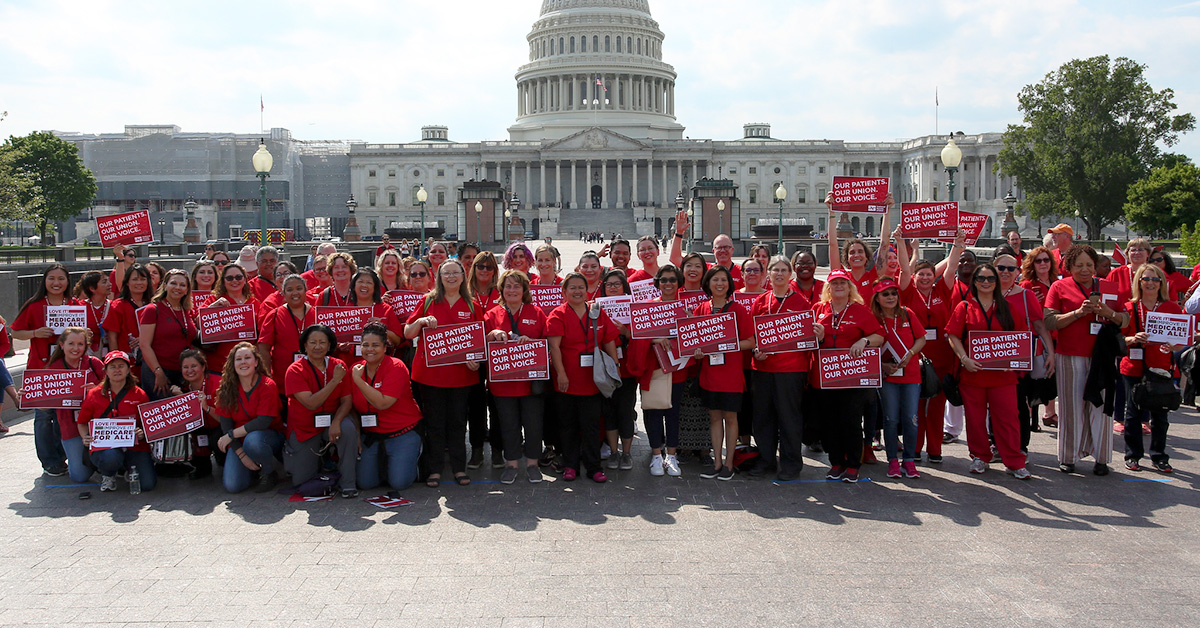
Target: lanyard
337, 298
323, 378
837, 320
181, 320
894, 331
299, 324
512, 319
246, 395
986, 316
483, 300
812, 292
781, 302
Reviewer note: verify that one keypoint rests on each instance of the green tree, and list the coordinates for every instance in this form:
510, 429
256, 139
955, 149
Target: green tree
1166, 199
61, 185
1092, 128
1189, 242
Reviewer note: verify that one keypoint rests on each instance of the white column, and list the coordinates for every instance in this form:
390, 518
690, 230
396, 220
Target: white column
620, 195
587, 186
650, 180
604, 182
679, 173
558, 181
528, 185
634, 196
666, 191
542, 197
574, 195
694, 178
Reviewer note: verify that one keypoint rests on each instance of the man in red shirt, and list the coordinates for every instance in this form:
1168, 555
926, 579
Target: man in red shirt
263, 285
723, 253
387, 244
1063, 239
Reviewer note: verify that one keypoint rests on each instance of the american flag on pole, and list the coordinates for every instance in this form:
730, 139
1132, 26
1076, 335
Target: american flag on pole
601, 84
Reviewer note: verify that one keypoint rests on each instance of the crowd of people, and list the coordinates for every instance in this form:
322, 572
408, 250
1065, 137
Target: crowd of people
299, 404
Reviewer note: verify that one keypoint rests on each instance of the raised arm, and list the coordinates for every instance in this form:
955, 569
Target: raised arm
835, 260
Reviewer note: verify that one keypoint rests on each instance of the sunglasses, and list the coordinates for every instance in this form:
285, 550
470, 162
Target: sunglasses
484, 267
1042, 260
235, 277
668, 280
888, 294
1009, 269
985, 279
133, 255
222, 262
1152, 279
418, 274
1157, 260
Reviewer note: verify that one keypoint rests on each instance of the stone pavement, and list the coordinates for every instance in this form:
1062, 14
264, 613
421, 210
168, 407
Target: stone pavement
949, 549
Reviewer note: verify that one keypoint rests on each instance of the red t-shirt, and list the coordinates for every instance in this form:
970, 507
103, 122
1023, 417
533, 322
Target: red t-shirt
34, 317
310, 280
901, 334
485, 301
454, 375
727, 376
969, 316
262, 288
281, 332
854, 323
122, 322
95, 316
392, 380
1025, 307
218, 355
1151, 354
302, 376
1179, 285
734, 270
792, 361
95, 374
531, 323
638, 275
864, 283
577, 339
933, 312
212, 381
173, 332
813, 294
1122, 276
98, 400
380, 249
959, 293
1040, 290
5, 340
348, 352
1065, 296
262, 400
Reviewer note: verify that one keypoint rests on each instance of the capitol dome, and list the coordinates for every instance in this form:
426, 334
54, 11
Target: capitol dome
595, 63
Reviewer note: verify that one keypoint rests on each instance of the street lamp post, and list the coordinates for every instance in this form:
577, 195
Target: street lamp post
780, 196
162, 231
1010, 220
262, 162
721, 217
951, 157
191, 232
514, 205
478, 217
679, 201
422, 196
351, 232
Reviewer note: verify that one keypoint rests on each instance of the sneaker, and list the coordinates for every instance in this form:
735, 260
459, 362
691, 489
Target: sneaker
266, 483
948, 438
725, 474
978, 466
108, 483
1162, 466
547, 457
569, 474
56, 472
935, 459
1020, 474
626, 461
1132, 465
1100, 469
476, 460
534, 473
612, 462
605, 451
835, 472
599, 477
850, 476
672, 465
1066, 467
510, 475
893, 468
656, 465
349, 493
909, 470
709, 473
498, 460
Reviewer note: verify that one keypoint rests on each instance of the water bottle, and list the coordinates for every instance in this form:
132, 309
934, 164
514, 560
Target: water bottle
135, 481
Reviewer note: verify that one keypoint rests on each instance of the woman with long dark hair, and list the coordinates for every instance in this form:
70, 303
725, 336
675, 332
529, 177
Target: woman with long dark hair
280, 344
118, 396
204, 280
619, 412
121, 324
248, 408
167, 329
232, 289
94, 290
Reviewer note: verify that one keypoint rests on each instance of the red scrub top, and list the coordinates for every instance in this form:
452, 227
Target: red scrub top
455, 375
302, 376
392, 380
531, 323
577, 338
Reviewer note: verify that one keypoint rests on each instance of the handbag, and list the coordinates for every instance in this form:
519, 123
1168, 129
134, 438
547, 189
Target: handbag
931, 385
658, 397
1156, 392
950, 388
605, 372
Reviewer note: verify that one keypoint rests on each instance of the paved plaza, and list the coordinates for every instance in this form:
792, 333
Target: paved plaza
949, 549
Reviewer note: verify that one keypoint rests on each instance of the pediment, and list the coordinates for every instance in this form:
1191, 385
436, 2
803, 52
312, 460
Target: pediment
596, 139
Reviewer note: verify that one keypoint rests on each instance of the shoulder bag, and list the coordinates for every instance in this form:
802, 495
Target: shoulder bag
1156, 392
605, 372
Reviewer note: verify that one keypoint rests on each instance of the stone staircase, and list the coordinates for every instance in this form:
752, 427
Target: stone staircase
606, 221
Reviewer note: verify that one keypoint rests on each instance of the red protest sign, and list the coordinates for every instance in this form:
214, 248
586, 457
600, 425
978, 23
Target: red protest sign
518, 361
454, 344
655, 319
346, 322
747, 299
693, 298
54, 389
127, 228
171, 417
785, 332
112, 433
929, 220
972, 226
546, 297
617, 308
714, 333
838, 370
1001, 350
668, 359
403, 302
227, 324
866, 195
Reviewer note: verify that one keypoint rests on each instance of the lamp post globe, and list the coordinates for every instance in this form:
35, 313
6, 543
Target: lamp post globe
478, 217
780, 196
422, 196
262, 162
951, 157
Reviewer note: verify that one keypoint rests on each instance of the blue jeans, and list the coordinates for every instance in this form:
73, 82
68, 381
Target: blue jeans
6, 379
47, 440
900, 416
263, 447
112, 461
402, 453
79, 463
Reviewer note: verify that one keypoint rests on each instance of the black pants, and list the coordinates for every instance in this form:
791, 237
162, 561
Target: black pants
1133, 427
619, 412
479, 401
746, 415
779, 421
520, 421
870, 415
579, 431
842, 434
445, 414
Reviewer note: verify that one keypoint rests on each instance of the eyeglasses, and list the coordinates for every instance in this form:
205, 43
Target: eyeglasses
614, 284
1042, 260
1009, 269
452, 273
418, 274
222, 262
1157, 260
1138, 248
1152, 279
751, 271
235, 277
985, 279
484, 267
723, 248
666, 279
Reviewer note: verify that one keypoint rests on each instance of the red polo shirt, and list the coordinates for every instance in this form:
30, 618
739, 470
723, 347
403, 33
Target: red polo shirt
969, 316
261, 287
262, 400
792, 361
901, 334
455, 375
933, 312
281, 331
577, 339
302, 376
392, 380
726, 377
854, 323
531, 323
173, 332
1065, 296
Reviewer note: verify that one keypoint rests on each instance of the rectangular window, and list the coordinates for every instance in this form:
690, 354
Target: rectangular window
372, 223
935, 198
732, 170
458, 173
441, 198
753, 195
371, 173
821, 223
801, 195
391, 199
441, 172
371, 199
753, 170
821, 193
803, 170
391, 173
821, 170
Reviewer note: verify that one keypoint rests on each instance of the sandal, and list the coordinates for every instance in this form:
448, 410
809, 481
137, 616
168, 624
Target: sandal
3, 428
462, 480
1050, 421
433, 481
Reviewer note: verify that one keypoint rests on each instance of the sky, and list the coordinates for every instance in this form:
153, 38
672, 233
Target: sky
377, 70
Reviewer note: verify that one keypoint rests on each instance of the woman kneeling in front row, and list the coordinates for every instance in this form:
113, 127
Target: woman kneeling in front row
383, 398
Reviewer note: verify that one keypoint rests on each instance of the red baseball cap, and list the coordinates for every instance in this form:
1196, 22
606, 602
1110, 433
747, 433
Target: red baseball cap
117, 355
885, 283
840, 274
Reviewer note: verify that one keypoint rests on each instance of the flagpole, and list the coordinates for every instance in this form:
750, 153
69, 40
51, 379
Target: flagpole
935, 110
261, 107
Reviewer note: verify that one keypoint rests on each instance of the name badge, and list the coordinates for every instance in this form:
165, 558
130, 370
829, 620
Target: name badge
322, 420
716, 359
1136, 353
620, 353
202, 440
1094, 328
369, 420
358, 350
931, 334
296, 357
586, 359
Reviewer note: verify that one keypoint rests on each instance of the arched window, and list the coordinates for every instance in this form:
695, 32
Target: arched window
560, 46
629, 45
618, 44
639, 46
583, 44
572, 44
607, 44
595, 43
